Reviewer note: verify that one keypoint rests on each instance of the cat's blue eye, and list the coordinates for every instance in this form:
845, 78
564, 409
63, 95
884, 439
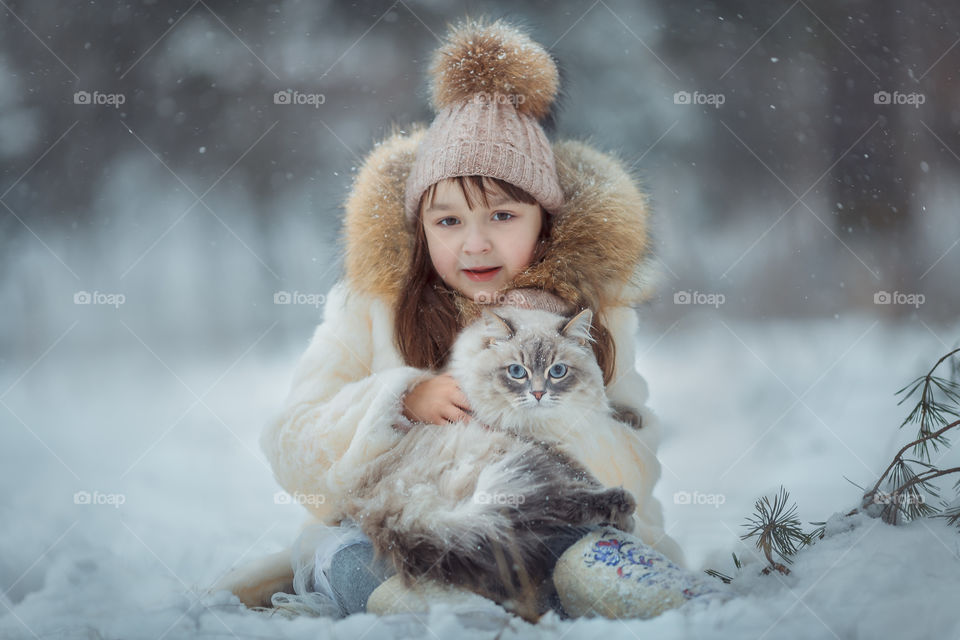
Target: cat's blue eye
517, 371
558, 370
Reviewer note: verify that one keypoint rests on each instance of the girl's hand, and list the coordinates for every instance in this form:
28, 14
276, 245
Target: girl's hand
437, 400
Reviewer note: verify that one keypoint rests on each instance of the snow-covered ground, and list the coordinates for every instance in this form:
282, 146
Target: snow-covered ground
747, 406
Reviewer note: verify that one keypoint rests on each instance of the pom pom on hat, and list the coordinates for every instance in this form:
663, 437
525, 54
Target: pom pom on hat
495, 59
490, 85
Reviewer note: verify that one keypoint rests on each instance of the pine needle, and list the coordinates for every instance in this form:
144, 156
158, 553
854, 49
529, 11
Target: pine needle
777, 530
907, 493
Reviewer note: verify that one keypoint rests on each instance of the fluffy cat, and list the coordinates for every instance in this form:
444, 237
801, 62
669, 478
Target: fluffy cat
474, 503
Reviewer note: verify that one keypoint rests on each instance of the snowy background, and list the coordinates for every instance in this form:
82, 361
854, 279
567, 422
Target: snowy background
782, 213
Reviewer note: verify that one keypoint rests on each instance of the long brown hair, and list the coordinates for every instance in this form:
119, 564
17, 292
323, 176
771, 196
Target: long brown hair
426, 319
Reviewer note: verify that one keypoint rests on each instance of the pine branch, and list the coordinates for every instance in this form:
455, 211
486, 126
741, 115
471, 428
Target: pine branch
907, 496
897, 458
777, 530
951, 512
776, 527
929, 412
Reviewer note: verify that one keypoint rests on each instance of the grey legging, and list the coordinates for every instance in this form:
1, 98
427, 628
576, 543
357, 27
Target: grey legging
354, 575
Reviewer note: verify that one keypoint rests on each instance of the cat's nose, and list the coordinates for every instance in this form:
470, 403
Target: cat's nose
538, 394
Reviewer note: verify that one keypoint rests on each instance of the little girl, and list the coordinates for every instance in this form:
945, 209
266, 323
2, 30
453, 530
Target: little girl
477, 209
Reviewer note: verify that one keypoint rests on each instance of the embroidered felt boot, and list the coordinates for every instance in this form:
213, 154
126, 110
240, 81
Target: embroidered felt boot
616, 575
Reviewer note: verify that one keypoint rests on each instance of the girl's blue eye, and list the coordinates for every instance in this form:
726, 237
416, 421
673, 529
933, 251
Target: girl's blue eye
442, 221
517, 371
502, 213
558, 371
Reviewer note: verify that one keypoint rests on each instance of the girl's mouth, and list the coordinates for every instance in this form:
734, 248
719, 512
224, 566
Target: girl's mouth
482, 275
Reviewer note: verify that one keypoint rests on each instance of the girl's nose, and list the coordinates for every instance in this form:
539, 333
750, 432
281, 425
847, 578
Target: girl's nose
476, 241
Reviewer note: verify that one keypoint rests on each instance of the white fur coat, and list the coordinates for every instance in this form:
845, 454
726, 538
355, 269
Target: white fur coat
346, 397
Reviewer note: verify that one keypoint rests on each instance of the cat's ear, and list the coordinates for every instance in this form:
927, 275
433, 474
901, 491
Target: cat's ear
578, 327
496, 328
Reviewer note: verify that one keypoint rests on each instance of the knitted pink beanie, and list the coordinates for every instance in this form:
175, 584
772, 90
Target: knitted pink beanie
490, 84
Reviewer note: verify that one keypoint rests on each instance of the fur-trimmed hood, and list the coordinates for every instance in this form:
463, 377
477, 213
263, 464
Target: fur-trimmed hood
600, 243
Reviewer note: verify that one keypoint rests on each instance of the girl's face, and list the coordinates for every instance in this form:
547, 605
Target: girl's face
478, 251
